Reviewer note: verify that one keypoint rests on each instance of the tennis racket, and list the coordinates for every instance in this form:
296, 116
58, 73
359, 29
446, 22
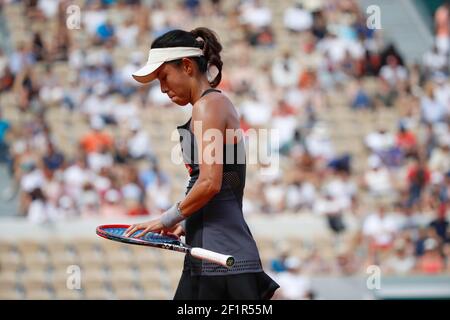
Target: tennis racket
115, 232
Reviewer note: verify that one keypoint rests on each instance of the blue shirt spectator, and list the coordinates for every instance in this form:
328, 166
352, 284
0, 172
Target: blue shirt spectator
53, 160
105, 31
361, 100
4, 127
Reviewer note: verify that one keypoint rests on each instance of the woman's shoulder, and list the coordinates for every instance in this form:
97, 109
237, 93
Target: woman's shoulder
213, 98
215, 103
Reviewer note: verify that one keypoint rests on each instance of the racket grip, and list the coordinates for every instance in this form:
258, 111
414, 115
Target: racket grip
222, 259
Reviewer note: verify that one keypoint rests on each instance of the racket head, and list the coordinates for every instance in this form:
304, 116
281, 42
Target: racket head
115, 232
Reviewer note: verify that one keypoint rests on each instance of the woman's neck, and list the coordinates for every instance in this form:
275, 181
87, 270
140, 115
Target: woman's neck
198, 89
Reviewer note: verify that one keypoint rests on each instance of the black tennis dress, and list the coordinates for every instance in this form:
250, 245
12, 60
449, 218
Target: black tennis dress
220, 226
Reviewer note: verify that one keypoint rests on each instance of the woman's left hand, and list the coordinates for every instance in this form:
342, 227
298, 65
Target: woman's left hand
150, 226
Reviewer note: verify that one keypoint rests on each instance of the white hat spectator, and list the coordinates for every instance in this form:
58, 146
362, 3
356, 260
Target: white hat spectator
49, 7
297, 19
112, 196
374, 161
97, 123
131, 192
292, 263
430, 244
255, 14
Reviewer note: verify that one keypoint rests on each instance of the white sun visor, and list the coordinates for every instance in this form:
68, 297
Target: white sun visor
158, 56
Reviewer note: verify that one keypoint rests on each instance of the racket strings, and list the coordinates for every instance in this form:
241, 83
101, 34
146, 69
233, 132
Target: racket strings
150, 236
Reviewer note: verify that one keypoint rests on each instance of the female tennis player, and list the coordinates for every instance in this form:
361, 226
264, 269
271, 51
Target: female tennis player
188, 67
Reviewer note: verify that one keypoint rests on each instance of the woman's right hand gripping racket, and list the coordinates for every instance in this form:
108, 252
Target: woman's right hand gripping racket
115, 232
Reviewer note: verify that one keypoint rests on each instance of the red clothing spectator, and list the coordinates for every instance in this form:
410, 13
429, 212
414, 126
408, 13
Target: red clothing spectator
307, 79
284, 109
431, 262
433, 265
138, 211
406, 140
96, 141
419, 175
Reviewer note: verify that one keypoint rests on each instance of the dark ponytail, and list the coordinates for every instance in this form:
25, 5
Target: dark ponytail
211, 49
208, 43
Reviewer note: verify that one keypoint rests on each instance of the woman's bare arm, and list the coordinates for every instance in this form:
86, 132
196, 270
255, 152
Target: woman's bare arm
209, 119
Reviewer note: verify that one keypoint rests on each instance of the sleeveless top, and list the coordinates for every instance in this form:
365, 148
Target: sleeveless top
219, 225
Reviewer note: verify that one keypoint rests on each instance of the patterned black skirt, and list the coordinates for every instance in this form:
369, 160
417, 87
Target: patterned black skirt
244, 286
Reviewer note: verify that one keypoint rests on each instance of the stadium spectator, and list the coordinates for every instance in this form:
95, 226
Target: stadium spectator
21, 59
256, 111
157, 189
89, 201
418, 176
53, 159
377, 179
446, 253
406, 141
380, 140
285, 70
442, 32
278, 264
393, 73
93, 17
38, 210
297, 19
274, 194
438, 161
380, 229
401, 261
256, 19
432, 109
434, 61
330, 207
255, 14
441, 223
112, 204
5, 126
105, 32
138, 142
193, 6
431, 262
300, 194
430, 139
50, 91
442, 89
293, 284
75, 176
386, 96
97, 139
360, 98
127, 34
39, 50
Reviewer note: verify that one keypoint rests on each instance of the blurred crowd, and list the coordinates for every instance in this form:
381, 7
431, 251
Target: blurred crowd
400, 198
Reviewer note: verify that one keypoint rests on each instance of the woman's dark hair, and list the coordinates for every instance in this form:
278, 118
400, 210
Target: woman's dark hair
209, 44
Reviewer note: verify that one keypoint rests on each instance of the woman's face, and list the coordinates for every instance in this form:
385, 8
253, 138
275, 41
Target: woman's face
174, 81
